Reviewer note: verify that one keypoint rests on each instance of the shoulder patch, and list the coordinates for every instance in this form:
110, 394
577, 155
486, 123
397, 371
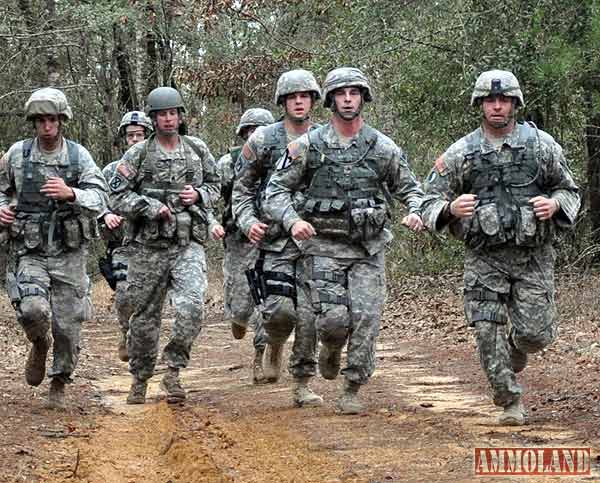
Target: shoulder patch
117, 182
248, 153
124, 171
440, 166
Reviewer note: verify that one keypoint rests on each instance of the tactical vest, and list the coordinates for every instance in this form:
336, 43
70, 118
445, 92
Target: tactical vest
226, 192
503, 190
274, 145
43, 224
190, 222
345, 197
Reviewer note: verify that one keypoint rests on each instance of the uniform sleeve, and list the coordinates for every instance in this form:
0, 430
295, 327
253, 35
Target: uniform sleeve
123, 198
7, 187
225, 171
207, 182
402, 183
246, 183
92, 190
561, 185
441, 188
286, 179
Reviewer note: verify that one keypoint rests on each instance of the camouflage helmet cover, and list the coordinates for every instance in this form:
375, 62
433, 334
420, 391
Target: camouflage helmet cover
135, 118
47, 100
254, 117
494, 82
163, 98
346, 77
298, 80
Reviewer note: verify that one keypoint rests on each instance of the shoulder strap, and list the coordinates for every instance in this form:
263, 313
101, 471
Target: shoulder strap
73, 157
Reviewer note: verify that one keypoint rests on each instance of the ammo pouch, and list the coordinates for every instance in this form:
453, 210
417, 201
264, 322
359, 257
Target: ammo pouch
530, 231
486, 228
367, 220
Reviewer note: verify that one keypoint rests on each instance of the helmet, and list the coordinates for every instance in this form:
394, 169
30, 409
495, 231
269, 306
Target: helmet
298, 80
163, 98
135, 118
497, 82
47, 100
346, 77
254, 117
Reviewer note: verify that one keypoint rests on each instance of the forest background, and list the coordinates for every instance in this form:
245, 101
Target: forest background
225, 56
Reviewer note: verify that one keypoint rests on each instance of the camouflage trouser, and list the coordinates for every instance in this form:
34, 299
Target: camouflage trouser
54, 293
509, 284
123, 304
347, 295
152, 272
281, 317
239, 306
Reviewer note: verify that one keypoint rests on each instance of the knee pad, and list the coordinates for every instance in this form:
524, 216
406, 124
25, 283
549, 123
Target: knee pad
529, 341
279, 319
34, 315
333, 326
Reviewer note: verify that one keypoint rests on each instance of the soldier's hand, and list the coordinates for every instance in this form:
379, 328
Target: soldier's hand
165, 214
112, 221
56, 189
257, 232
544, 208
302, 230
189, 195
463, 206
413, 222
217, 232
7, 215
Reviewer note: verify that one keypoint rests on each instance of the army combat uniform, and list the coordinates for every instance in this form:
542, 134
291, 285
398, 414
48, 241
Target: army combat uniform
284, 309
47, 281
509, 259
349, 185
239, 255
165, 255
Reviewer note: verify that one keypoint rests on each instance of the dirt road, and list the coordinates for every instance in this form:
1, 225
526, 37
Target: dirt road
428, 406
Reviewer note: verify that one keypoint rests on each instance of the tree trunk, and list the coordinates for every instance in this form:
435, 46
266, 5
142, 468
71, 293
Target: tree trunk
592, 140
128, 98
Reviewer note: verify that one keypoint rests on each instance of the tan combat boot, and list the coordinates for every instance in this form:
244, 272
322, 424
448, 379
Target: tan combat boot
303, 396
238, 331
514, 414
329, 361
171, 385
258, 376
35, 369
137, 392
272, 362
56, 394
349, 403
122, 350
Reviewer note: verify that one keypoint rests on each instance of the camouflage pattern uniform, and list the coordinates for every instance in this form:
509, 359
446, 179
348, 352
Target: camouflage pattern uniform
509, 259
119, 250
343, 265
283, 310
46, 277
165, 255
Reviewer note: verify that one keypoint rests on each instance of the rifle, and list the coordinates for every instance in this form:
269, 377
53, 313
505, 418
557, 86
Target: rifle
256, 284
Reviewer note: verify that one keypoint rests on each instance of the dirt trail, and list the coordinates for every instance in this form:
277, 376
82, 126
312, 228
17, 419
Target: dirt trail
427, 410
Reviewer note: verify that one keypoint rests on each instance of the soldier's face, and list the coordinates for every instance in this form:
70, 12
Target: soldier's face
168, 121
348, 102
247, 132
498, 111
134, 134
47, 126
298, 105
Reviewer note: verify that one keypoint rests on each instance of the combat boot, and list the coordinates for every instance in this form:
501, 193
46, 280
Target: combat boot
122, 350
349, 403
303, 396
238, 331
137, 392
35, 369
272, 362
56, 394
329, 361
513, 415
258, 376
518, 359
171, 385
